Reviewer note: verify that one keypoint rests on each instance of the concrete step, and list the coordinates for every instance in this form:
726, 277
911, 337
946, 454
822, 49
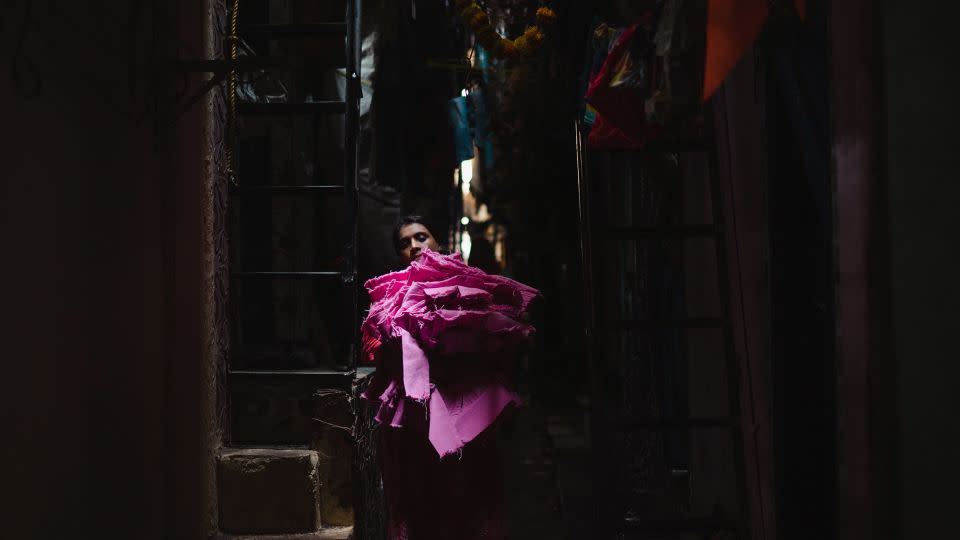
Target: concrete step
331, 533
268, 491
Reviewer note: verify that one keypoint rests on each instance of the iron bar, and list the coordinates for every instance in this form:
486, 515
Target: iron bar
288, 190
292, 108
730, 350
316, 373
326, 378
210, 84
242, 63
680, 525
664, 424
666, 324
351, 192
363, 512
603, 471
698, 144
283, 275
295, 30
671, 146
678, 231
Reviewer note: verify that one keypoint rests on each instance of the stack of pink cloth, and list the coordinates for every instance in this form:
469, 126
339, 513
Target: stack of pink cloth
445, 337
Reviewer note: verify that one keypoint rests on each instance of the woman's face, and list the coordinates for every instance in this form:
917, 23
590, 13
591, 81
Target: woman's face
414, 238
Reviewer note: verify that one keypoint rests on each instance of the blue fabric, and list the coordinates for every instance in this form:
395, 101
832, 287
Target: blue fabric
460, 124
483, 137
483, 62
596, 55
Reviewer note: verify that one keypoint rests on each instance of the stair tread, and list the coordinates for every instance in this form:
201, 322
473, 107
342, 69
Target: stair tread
329, 533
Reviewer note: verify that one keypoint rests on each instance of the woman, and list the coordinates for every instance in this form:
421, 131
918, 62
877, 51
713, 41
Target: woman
411, 237
444, 337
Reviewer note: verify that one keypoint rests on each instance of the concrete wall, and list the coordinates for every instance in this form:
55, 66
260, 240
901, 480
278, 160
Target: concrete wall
920, 57
894, 75
102, 232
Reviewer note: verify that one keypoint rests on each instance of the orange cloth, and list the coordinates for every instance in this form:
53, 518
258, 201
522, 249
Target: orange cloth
732, 27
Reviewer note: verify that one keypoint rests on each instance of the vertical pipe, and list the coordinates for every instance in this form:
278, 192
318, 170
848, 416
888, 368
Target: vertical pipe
729, 345
350, 182
361, 512
862, 69
600, 484
586, 249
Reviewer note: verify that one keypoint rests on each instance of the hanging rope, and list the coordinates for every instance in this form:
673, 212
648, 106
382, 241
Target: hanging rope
232, 39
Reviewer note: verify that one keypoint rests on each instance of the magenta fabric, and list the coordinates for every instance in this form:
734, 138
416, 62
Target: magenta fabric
445, 337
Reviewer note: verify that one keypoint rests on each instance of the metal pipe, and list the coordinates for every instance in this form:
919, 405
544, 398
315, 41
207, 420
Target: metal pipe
351, 192
730, 351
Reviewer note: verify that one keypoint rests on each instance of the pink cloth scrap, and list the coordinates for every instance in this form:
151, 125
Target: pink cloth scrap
444, 336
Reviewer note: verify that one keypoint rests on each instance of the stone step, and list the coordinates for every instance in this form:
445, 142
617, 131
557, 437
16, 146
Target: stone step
268, 491
331, 533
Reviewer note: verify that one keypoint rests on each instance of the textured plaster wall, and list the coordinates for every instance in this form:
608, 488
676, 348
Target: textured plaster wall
106, 404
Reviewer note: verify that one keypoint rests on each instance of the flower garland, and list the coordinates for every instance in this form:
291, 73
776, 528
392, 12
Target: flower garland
525, 45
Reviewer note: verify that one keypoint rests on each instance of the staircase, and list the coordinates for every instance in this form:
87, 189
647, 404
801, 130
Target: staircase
296, 460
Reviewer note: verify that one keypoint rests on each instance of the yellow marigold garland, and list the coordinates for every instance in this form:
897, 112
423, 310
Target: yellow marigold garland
473, 15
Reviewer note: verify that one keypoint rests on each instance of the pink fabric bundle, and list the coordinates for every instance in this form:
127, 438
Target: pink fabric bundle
444, 335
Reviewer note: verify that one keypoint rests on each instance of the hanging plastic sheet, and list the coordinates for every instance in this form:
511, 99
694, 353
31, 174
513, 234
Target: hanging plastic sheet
483, 136
459, 109
618, 93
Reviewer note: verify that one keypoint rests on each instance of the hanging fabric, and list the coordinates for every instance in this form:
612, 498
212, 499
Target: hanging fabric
617, 95
460, 124
732, 27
